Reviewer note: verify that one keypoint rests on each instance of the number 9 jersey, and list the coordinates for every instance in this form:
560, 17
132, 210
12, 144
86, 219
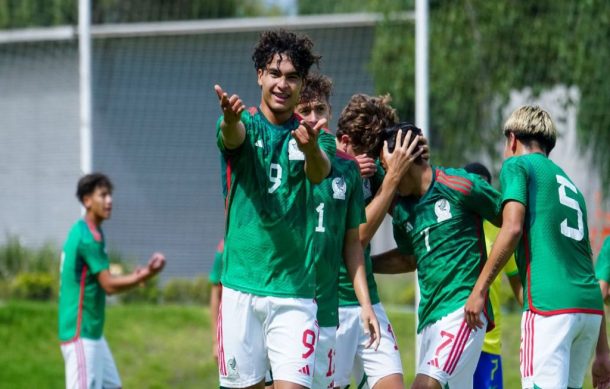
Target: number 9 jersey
554, 253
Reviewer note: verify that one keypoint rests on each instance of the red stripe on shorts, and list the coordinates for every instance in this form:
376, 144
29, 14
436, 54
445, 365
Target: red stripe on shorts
458, 348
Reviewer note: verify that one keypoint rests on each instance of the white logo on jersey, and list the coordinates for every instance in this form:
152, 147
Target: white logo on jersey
366, 188
442, 209
339, 188
294, 154
259, 143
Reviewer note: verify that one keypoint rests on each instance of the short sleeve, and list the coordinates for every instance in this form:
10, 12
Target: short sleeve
602, 266
94, 255
356, 213
513, 178
246, 119
216, 269
483, 198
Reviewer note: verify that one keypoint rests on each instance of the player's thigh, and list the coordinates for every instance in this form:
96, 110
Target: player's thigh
324, 370
242, 356
348, 338
110, 373
291, 334
383, 367
545, 350
488, 373
76, 369
450, 350
583, 347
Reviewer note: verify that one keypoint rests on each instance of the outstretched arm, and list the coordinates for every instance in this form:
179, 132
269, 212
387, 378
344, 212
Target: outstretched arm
233, 130
393, 262
354, 262
513, 215
115, 284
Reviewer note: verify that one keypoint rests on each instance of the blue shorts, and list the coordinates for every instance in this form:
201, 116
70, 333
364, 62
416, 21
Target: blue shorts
488, 374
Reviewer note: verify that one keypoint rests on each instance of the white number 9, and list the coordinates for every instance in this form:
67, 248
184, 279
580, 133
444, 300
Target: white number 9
275, 176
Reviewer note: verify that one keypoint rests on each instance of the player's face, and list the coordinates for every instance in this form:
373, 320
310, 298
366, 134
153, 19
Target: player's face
281, 86
98, 204
314, 110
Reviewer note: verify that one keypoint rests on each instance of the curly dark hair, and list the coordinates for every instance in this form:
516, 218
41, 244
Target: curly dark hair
364, 119
390, 134
317, 87
297, 48
87, 184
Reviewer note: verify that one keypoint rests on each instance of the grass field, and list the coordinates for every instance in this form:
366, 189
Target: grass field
161, 346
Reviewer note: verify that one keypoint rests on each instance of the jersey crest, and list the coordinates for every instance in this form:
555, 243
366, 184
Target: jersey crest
366, 189
339, 188
294, 154
442, 209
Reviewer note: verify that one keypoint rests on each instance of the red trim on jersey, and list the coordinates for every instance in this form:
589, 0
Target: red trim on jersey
459, 184
228, 172
252, 111
81, 298
221, 245
344, 155
528, 260
93, 229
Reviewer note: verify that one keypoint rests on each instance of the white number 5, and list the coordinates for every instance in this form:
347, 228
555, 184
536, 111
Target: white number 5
275, 176
572, 233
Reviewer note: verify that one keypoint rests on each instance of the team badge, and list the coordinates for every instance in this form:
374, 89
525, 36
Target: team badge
232, 364
294, 154
366, 188
339, 188
442, 209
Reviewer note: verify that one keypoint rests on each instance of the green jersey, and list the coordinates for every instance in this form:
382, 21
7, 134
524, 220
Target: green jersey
602, 266
339, 207
82, 301
554, 253
347, 294
217, 266
270, 223
444, 230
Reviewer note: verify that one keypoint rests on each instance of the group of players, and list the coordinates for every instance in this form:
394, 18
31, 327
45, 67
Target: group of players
299, 306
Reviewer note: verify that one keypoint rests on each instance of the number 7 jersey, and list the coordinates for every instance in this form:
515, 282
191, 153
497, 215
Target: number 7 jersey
554, 253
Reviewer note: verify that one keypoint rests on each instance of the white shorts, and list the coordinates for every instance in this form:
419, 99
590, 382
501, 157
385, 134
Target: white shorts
324, 372
89, 365
365, 364
450, 351
256, 333
556, 350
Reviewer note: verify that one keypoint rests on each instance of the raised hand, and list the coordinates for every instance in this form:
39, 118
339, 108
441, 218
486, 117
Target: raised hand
398, 162
367, 165
307, 136
156, 263
232, 107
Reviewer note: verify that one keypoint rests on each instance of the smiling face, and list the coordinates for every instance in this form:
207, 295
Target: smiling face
281, 88
314, 110
98, 204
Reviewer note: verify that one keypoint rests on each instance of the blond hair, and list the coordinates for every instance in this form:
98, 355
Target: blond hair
532, 123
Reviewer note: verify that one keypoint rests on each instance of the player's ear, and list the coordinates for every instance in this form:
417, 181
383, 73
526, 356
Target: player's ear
259, 77
87, 201
344, 141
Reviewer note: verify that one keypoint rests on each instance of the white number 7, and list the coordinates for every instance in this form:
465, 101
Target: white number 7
570, 232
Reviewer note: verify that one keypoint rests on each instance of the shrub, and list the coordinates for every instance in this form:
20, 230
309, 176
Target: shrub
187, 291
34, 286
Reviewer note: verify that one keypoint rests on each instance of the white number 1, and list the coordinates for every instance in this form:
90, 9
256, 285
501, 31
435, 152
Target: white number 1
426, 234
320, 211
572, 233
275, 178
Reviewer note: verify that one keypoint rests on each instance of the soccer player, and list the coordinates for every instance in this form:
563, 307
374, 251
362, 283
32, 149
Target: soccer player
268, 310
361, 122
488, 374
438, 222
216, 295
84, 282
545, 220
339, 207
602, 269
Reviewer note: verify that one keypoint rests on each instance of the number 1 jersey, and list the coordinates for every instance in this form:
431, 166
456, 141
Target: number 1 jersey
270, 217
554, 253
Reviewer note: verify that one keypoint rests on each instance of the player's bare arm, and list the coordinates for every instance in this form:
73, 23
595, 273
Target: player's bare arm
116, 284
393, 262
317, 164
233, 130
600, 370
353, 257
397, 164
513, 215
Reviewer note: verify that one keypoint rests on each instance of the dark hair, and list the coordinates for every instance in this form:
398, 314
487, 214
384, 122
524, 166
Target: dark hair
317, 87
480, 169
389, 135
363, 119
87, 184
296, 48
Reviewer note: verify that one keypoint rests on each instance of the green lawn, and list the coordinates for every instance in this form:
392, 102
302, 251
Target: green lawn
161, 346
